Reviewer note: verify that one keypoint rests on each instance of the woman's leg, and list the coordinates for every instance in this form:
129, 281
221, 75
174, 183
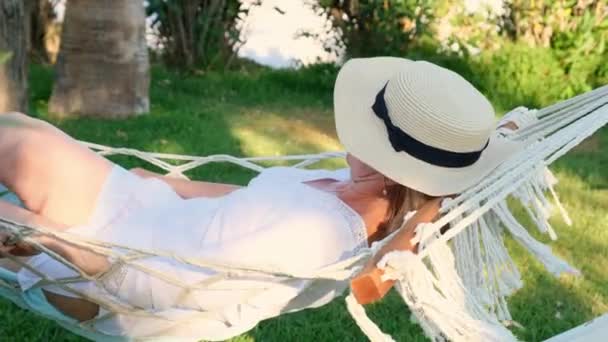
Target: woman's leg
77, 308
89, 262
58, 181
54, 175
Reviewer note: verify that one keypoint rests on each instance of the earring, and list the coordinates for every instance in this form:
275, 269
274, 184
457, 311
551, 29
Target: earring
384, 192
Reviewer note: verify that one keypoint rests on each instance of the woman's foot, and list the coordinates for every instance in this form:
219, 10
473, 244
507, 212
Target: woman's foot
4, 247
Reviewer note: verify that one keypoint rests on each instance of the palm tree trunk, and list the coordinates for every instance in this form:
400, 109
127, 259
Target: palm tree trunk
13, 61
103, 68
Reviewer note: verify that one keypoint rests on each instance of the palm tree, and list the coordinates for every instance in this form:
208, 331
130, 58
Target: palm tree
13, 61
103, 68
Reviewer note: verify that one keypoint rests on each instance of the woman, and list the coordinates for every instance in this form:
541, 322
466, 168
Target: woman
414, 131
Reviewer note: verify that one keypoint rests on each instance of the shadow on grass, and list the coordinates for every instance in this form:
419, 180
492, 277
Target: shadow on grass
589, 161
547, 305
332, 322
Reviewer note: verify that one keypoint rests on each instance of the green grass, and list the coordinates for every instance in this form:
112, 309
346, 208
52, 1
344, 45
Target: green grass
264, 112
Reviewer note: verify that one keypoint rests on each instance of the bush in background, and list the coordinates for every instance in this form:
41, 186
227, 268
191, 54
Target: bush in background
377, 27
575, 30
521, 75
195, 34
530, 53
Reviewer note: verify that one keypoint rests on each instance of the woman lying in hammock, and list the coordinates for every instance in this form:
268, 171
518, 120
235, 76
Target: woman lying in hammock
414, 131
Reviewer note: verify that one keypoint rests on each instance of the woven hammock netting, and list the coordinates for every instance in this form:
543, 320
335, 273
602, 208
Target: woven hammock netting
455, 286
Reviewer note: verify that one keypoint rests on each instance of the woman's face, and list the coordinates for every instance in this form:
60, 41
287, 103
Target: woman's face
359, 169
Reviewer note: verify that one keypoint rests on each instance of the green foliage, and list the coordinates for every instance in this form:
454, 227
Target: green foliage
576, 31
318, 78
197, 33
534, 53
514, 75
518, 74
378, 27
538, 22
582, 50
458, 29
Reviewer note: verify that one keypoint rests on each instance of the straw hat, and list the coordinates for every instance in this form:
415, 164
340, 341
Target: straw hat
419, 124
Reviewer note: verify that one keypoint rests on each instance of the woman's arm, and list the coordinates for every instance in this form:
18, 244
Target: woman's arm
189, 189
367, 286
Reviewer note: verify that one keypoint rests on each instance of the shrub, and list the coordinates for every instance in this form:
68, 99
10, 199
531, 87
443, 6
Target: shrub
197, 33
377, 27
518, 75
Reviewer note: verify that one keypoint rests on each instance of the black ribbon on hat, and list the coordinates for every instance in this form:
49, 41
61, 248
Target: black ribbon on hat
403, 142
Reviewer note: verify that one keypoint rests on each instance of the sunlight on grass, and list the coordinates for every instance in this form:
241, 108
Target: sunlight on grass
263, 133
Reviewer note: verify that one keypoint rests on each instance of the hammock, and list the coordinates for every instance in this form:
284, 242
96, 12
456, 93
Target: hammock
455, 286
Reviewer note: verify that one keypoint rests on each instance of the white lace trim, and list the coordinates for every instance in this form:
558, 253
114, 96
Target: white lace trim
355, 223
353, 219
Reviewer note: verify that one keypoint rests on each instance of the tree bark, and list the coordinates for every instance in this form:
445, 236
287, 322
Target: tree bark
13, 61
103, 68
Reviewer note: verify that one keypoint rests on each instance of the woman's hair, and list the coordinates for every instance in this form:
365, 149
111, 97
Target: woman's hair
401, 200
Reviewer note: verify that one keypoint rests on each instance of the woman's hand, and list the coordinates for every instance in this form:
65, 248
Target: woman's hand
517, 118
367, 286
509, 125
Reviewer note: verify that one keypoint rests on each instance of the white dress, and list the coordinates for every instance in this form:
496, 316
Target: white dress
275, 222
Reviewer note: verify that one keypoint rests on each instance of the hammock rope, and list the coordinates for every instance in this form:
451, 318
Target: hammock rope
455, 286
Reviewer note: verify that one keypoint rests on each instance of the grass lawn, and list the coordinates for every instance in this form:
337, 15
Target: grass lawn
263, 112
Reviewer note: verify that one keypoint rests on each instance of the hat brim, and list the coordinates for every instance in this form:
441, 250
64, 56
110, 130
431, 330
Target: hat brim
365, 136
